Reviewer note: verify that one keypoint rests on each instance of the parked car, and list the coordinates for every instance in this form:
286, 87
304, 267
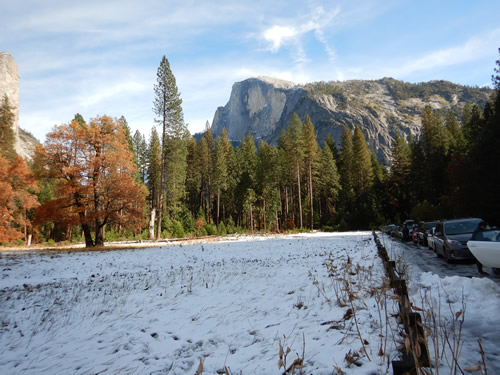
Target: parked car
389, 229
407, 230
485, 246
451, 236
423, 230
430, 239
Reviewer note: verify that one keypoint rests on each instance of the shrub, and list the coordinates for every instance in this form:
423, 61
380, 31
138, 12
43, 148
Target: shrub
221, 230
178, 229
211, 229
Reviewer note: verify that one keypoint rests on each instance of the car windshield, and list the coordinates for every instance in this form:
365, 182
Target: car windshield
461, 227
430, 225
487, 235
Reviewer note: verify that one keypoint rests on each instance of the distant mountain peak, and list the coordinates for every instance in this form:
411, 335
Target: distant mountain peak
278, 83
263, 107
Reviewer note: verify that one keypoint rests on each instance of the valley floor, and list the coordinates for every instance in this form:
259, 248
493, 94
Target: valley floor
229, 304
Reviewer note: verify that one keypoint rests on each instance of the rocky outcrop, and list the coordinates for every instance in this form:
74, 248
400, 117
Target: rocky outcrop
9, 85
263, 107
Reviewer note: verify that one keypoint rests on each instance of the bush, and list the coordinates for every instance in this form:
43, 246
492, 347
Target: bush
51, 242
187, 221
231, 228
177, 229
211, 229
221, 230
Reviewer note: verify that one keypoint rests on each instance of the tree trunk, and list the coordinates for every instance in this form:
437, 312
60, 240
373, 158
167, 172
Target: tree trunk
151, 230
251, 219
299, 198
218, 205
265, 216
99, 233
311, 197
89, 242
277, 222
286, 207
158, 219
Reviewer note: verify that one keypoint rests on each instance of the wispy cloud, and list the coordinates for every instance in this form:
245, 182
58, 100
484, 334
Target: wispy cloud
473, 49
289, 32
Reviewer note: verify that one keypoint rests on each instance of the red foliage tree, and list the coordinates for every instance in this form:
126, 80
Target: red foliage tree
17, 197
93, 168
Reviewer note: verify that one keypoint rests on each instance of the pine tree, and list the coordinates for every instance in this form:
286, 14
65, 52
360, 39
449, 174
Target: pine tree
330, 142
267, 184
473, 127
153, 179
296, 156
167, 106
399, 184
310, 158
455, 134
141, 154
346, 163
193, 176
435, 143
361, 166
205, 157
232, 175
7, 137
246, 159
220, 174
328, 185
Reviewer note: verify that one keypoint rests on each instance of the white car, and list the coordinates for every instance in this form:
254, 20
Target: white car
485, 246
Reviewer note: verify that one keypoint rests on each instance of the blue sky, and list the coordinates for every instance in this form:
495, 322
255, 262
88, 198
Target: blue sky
97, 57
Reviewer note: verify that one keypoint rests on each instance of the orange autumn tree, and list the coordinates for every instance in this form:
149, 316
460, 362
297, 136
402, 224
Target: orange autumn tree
17, 197
93, 170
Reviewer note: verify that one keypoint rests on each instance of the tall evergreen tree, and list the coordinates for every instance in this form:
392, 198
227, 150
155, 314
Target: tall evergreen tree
246, 155
267, 184
296, 156
167, 107
154, 179
193, 176
473, 127
330, 142
220, 174
141, 154
346, 163
328, 185
361, 165
399, 179
205, 157
310, 159
485, 159
456, 136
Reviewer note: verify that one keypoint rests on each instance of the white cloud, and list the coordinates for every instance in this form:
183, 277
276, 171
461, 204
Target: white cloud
279, 35
290, 32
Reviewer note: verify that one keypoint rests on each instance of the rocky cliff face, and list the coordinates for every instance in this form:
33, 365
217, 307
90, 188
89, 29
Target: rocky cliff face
263, 106
9, 85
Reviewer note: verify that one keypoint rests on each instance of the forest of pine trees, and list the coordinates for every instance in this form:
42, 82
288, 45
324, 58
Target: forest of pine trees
94, 181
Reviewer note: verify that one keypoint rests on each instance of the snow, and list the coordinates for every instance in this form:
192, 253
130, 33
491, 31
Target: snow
230, 303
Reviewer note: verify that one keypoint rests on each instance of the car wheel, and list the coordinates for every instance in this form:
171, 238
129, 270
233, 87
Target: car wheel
448, 257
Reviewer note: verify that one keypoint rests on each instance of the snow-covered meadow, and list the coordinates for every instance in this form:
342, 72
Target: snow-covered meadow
228, 304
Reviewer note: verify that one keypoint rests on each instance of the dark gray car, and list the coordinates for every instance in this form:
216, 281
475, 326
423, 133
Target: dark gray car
451, 236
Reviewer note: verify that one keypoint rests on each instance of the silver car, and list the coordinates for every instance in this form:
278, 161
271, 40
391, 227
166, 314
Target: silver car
451, 236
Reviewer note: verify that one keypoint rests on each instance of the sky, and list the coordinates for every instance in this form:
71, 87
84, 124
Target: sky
99, 57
